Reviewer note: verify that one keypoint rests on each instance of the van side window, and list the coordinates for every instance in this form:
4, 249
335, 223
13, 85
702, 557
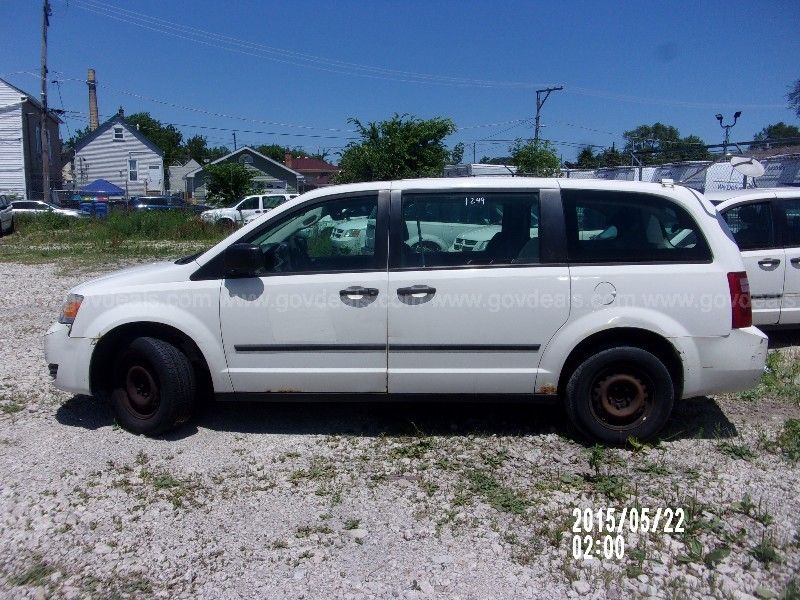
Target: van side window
323, 237
454, 229
611, 226
751, 225
791, 216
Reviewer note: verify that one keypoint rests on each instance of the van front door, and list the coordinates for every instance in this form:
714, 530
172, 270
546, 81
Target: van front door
315, 319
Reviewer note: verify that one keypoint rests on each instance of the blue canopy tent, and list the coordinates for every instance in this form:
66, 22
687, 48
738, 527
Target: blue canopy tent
101, 187
101, 190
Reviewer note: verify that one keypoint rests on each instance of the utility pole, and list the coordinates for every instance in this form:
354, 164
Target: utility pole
474, 147
541, 98
43, 124
234, 142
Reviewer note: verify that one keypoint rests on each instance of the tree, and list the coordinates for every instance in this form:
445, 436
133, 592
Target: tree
217, 152
228, 181
587, 159
77, 137
660, 143
196, 147
539, 159
776, 131
166, 137
794, 97
402, 147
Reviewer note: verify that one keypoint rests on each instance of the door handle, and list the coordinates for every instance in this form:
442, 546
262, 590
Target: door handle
358, 291
769, 262
416, 290
795, 261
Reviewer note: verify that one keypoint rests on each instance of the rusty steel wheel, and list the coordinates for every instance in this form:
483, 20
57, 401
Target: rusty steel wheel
143, 391
619, 393
153, 387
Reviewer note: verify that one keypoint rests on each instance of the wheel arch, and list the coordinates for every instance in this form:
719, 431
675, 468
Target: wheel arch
107, 347
645, 339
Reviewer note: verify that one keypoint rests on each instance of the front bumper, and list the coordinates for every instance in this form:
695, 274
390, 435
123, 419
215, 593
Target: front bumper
716, 365
68, 359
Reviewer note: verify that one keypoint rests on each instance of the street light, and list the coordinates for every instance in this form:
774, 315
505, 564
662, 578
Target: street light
727, 128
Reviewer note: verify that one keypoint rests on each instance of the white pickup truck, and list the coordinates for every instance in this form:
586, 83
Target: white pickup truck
249, 207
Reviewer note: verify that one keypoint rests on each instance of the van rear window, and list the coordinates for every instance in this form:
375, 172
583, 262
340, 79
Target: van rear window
612, 226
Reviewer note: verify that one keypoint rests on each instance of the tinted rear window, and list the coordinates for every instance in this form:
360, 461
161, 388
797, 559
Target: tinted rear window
611, 226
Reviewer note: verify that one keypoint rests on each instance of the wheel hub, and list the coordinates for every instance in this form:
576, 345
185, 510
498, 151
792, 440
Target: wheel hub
142, 389
621, 395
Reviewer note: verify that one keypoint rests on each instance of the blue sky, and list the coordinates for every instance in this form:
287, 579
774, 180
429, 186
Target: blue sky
298, 68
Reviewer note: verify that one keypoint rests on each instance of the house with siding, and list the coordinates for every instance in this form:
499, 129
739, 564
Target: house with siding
117, 152
21, 144
177, 176
267, 174
316, 173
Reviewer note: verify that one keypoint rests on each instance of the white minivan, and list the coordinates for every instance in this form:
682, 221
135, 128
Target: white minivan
594, 307
248, 207
766, 225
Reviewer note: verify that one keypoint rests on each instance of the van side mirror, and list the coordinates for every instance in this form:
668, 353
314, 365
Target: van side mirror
243, 260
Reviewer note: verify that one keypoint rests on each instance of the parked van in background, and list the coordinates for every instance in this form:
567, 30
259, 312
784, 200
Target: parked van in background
579, 297
766, 225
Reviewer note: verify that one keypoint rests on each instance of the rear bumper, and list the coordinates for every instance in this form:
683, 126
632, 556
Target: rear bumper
68, 358
715, 365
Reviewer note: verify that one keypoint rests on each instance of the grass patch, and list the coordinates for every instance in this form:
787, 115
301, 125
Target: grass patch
781, 379
352, 524
51, 237
178, 491
495, 494
789, 439
35, 575
738, 451
9, 408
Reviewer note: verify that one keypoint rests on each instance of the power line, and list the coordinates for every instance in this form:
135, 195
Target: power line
233, 44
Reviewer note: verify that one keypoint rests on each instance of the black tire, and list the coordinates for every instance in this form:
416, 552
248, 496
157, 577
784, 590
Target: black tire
620, 393
153, 387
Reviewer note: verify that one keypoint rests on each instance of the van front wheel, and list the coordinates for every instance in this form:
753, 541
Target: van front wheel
620, 393
153, 386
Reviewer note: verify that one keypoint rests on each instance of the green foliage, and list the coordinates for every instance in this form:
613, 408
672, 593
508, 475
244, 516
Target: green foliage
663, 144
166, 137
402, 147
789, 439
539, 159
587, 159
496, 494
77, 137
794, 97
228, 181
776, 131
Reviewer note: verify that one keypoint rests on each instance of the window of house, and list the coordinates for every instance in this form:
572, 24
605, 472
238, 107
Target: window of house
611, 226
246, 159
454, 229
133, 170
118, 135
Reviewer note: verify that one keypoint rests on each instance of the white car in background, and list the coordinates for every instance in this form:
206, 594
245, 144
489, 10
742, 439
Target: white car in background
33, 207
6, 216
245, 210
765, 222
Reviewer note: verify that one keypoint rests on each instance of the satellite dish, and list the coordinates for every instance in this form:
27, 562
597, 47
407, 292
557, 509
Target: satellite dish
749, 167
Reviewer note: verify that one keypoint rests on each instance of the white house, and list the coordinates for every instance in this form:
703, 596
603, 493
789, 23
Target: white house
21, 144
119, 153
177, 176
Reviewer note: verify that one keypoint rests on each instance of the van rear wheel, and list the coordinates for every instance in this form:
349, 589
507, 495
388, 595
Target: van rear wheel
153, 386
620, 393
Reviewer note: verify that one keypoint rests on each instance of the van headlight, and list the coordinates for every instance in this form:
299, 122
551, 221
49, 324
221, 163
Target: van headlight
70, 309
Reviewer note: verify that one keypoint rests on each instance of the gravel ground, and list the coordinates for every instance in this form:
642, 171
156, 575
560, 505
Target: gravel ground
365, 501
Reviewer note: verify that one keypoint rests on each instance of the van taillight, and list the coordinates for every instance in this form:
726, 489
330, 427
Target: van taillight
741, 310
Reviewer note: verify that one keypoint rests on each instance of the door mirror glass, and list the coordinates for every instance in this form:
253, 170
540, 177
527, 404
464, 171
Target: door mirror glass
243, 260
